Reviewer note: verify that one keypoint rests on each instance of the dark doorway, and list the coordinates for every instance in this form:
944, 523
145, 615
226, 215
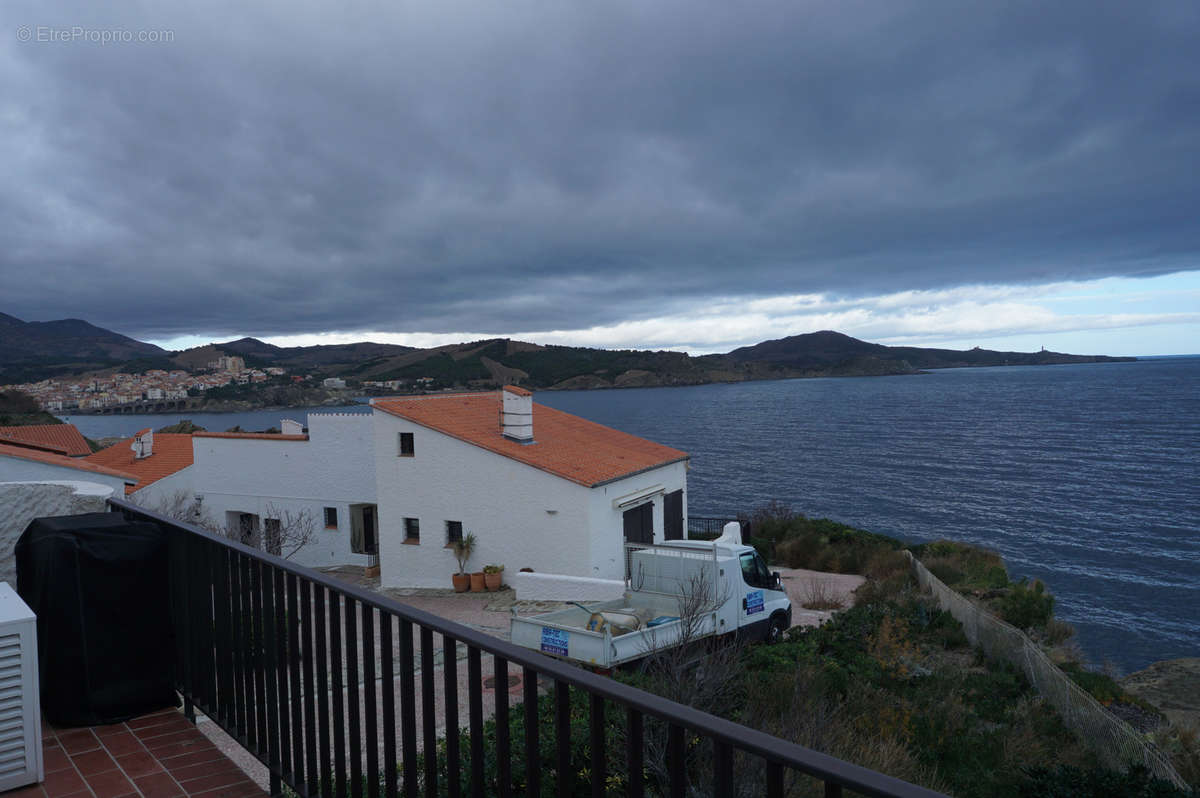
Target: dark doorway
639, 524
673, 515
368, 520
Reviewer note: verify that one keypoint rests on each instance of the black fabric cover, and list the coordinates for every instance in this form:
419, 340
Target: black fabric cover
98, 585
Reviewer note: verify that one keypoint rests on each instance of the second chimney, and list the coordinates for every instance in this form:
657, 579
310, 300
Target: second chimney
143, 444
516, 414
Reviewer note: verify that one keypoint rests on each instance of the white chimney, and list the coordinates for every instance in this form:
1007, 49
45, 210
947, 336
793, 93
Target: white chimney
289, 427
143, 444
516, 414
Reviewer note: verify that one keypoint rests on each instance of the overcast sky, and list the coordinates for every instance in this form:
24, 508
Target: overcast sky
686, 175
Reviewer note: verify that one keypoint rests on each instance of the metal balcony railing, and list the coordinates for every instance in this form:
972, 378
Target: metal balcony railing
336, 691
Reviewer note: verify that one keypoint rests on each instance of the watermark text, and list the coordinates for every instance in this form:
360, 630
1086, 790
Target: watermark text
76, 34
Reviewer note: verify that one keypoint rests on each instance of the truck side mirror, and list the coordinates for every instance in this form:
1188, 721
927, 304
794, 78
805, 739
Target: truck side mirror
778, 580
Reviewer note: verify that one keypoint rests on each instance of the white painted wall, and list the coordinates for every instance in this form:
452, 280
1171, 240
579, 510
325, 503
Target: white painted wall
18, 469
25, 501
522, 516
556, 587
160, 494
607, 551
335, 467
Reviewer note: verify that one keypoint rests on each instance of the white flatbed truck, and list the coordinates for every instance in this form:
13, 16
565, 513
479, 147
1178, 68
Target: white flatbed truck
723, 587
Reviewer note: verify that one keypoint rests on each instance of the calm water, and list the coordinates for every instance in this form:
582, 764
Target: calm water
1087, 477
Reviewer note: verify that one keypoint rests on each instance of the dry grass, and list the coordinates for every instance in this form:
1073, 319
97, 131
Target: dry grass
819, 594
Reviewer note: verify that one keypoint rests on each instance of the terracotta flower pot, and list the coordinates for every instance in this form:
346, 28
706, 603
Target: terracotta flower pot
492, 580
477, 582
462, 582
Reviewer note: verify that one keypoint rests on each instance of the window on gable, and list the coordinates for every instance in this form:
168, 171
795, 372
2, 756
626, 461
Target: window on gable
453, 531
412, 529
407, 448
331, 518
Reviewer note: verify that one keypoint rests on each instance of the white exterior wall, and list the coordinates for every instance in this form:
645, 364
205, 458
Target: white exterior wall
522, 517
18, 469
333, 468
160, 494
608, 552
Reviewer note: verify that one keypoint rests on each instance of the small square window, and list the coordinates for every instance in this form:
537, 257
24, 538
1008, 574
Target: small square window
453, 531
412, 529
406, 444
331, 518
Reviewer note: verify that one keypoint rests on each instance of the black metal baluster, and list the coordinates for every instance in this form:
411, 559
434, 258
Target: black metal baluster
387, 671
533, 756
259, 645
310, 706
408, 709
633, 754
224, 641
475, 711
323, 720
450, 702
236, 623
503, 743
562, 739
370, 715
676, 765
597, 744
428, 719
297, 705
774, 780
833, 790
281, 676
337, 685
206, 689
183, 608
722, 768
270, 669
351, 614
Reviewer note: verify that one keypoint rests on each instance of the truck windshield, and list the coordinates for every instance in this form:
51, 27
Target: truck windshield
754, 571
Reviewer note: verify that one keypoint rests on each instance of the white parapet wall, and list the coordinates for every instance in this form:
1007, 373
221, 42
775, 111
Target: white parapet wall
21, 502
560, 587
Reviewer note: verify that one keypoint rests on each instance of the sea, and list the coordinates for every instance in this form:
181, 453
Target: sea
1084, 476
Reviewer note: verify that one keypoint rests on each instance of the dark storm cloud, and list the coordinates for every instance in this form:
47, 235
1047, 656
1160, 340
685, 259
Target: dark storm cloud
294, 167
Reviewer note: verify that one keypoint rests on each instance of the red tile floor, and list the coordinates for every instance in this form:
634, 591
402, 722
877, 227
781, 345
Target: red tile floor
155, 756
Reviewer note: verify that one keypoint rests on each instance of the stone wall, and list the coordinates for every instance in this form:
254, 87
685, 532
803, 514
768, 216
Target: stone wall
21, 502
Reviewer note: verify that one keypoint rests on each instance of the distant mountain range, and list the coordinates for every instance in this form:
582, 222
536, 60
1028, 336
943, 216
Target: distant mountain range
31, 351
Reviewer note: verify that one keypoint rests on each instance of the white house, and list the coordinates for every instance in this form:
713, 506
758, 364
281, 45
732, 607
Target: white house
161, 462
23, 463
538, 487
257, 482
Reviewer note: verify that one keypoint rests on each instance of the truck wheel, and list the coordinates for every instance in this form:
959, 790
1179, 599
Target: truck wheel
775, 630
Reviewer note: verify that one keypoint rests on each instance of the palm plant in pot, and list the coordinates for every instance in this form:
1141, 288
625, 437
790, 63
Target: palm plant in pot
463, 548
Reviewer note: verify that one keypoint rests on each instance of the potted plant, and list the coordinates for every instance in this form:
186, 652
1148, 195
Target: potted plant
477, 582
491, 576
463, 549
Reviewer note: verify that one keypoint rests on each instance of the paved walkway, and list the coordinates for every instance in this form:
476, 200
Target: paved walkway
156, 756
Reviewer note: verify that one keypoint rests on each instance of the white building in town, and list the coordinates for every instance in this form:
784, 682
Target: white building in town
538, 487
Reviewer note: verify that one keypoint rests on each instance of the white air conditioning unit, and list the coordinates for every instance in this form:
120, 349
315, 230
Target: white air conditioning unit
20, 706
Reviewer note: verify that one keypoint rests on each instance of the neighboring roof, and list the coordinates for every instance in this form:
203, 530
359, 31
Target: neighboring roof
63, 438
518, 390
78, 463
567, 446
172, 452
260, 436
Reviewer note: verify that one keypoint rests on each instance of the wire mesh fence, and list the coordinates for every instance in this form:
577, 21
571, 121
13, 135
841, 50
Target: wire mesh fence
1115, 742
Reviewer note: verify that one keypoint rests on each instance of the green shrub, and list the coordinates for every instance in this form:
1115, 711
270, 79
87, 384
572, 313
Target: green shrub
1027, 605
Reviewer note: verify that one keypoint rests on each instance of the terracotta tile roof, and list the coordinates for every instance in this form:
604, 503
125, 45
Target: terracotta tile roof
78, 463
64, 438
518, 390
564, 445
261, 436
172, 452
